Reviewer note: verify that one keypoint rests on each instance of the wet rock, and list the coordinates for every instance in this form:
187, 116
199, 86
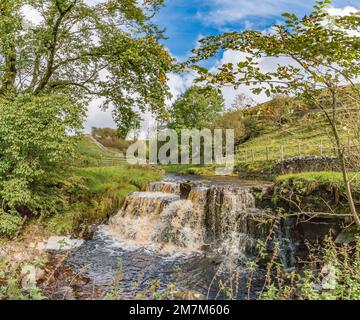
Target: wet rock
56, 243
347, 235
89, 232
185, 189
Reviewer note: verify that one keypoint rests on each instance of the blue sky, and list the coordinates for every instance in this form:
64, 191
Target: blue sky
187, 20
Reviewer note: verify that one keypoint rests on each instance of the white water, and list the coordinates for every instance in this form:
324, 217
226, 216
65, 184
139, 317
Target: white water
158, 219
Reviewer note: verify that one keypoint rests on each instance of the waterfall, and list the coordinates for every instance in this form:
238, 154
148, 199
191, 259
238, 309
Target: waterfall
164, 186
216, 215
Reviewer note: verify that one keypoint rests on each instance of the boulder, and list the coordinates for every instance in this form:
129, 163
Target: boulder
56, 243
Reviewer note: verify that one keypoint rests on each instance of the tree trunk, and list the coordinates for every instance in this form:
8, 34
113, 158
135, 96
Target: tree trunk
9, 77
348, 188
343, 167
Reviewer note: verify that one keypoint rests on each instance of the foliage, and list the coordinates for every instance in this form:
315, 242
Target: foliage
324, 56
9, 224
108, 50
10, 285
110, 138
278, 109
35, 148
233, 120
306, 182
197, 108
332, 273
316, 191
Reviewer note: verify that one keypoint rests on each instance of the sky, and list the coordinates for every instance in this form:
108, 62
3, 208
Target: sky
186, 21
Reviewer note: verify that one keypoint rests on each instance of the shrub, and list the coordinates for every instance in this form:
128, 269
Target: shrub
35, 147
9, 224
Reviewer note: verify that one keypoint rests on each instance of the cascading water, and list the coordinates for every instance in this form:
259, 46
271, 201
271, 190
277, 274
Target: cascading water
158, 230
164, 186
210, 214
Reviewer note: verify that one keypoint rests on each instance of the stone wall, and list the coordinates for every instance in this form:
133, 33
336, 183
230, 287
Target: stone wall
301, 164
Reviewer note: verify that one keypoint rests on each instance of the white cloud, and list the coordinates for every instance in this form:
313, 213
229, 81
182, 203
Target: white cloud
225, 11
98, 118
342, 11
266, 65
228, 11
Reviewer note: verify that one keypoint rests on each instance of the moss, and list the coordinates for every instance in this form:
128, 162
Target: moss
261, 169
314, 191
307, 182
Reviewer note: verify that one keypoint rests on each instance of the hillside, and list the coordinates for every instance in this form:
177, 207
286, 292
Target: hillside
91, 153
299, 133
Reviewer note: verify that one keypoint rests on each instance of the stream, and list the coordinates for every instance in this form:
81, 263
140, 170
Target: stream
184, 231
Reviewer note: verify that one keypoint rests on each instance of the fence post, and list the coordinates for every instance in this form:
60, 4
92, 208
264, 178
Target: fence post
267, 153
299, 150
282, 153
252, 155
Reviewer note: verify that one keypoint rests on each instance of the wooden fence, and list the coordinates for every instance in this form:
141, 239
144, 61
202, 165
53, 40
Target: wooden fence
282, 152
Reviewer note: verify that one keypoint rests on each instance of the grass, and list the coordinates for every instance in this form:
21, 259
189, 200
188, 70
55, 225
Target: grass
311, 183
301, 136
190, 169
321, 177
94, 189
90, 155
96, 193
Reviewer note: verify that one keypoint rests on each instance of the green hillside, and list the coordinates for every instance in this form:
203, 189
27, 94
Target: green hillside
91, 154
302, 133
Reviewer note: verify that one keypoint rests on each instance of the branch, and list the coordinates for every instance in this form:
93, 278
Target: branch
55, 32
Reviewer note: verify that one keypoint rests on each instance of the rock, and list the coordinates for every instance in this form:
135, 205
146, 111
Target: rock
40, 274
185, 189
2, 252
89, 232
56, 243
348, 235
329, 280
30, 275
308, 163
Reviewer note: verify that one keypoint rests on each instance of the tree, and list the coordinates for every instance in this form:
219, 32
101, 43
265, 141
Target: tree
34, 149
277, 109
109, 137
51, 70
324, 55
109, 51
197, 108
242, 101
